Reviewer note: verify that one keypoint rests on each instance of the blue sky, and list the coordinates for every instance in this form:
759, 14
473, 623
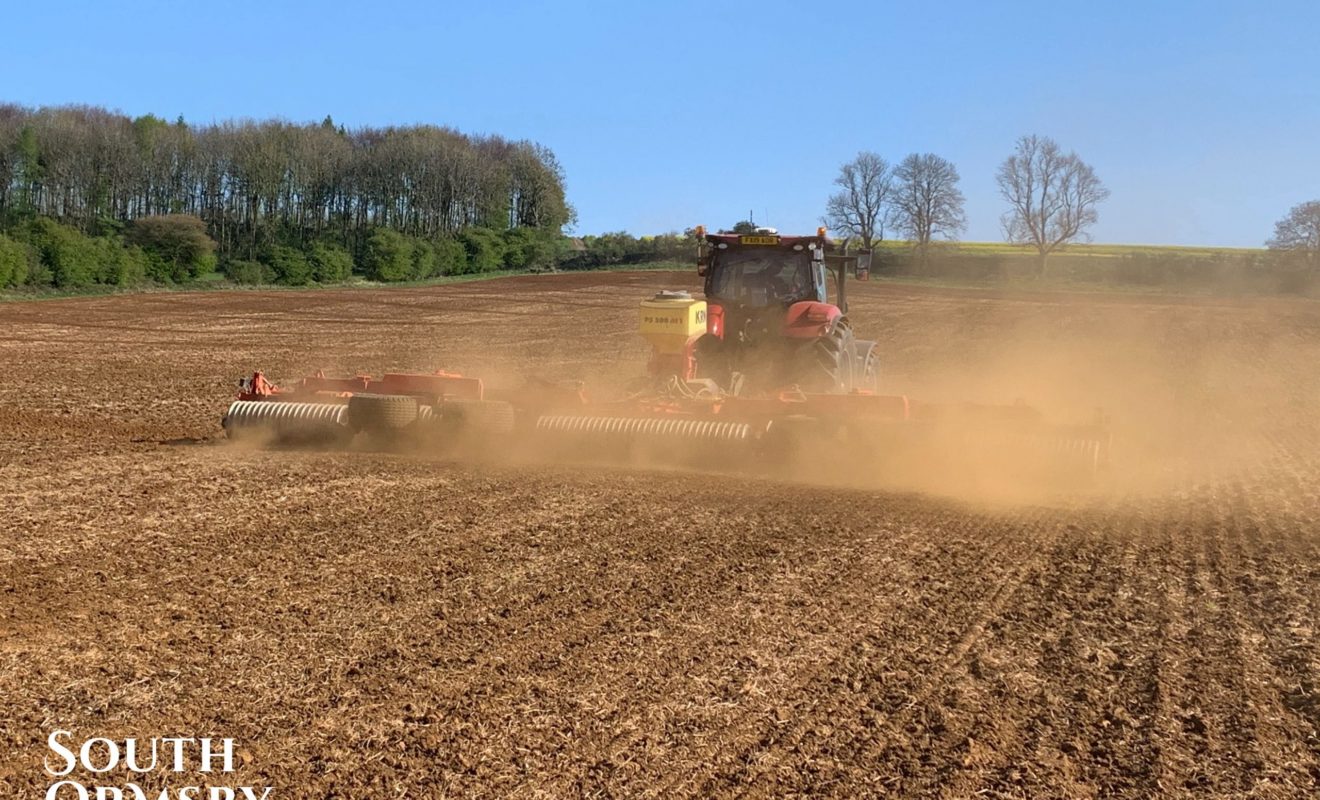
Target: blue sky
1202, 118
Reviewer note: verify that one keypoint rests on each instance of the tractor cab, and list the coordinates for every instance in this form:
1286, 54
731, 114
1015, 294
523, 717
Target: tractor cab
770, 320
763, 270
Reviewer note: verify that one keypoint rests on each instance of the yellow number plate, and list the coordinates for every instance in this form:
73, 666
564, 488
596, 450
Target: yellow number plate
758, 240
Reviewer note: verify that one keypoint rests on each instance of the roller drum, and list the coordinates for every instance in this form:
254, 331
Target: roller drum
644, 429
285, 420
478, 417
661, 437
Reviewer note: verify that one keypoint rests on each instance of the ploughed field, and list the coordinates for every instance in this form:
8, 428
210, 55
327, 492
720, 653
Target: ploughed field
367, 624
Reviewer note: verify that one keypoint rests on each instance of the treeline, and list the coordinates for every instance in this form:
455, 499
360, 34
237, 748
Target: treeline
291, 198
622, 249
1210, 270
175, 249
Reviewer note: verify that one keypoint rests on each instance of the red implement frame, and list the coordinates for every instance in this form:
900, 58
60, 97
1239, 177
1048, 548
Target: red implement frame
316, 388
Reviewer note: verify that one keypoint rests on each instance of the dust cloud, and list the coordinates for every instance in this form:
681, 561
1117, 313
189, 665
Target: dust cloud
1178, 393
1189, 391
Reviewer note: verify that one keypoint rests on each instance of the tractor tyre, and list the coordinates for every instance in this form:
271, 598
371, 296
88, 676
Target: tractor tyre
828, 361
482, 417
867, 377
713, 361
381, 413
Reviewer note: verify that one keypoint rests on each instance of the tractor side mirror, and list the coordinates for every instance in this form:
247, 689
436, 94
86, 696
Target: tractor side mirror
864, 265
703, 259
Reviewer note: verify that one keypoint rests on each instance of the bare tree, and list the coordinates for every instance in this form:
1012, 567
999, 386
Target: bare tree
1052, 195
927, 202
1299, 231
859, 207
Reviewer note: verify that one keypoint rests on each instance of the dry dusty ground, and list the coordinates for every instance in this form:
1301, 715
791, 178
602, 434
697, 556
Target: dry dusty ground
372, 625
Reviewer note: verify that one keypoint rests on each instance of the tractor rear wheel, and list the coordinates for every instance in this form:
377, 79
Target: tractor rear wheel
867, 377
712, 361
827, 364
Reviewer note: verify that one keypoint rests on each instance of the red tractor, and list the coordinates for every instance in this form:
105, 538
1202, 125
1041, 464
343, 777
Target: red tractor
771, 321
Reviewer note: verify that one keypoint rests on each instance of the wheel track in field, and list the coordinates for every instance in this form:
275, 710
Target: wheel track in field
825, 579
568, 631
1022, 721
560, 633
1251, 735
986, 608
573, 639
579, 645
357, 556
620, 744
1282, 638
1207, 712
728, 751
1048, 723
869, 749
562, 610
1176, 751
859, 608
1217, 732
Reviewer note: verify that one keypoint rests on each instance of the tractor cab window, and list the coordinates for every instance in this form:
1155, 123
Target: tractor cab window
762, 277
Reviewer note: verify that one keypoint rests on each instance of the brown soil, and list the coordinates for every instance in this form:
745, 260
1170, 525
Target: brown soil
371, 625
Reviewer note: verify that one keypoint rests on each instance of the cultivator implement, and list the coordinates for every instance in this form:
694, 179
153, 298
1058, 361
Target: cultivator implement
790, 433
767, 376
887, 437
390, 410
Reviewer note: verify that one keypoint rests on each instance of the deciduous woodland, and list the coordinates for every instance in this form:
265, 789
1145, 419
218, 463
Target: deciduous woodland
268, 193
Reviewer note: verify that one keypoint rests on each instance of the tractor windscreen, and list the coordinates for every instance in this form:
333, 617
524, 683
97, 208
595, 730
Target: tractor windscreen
762, 276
